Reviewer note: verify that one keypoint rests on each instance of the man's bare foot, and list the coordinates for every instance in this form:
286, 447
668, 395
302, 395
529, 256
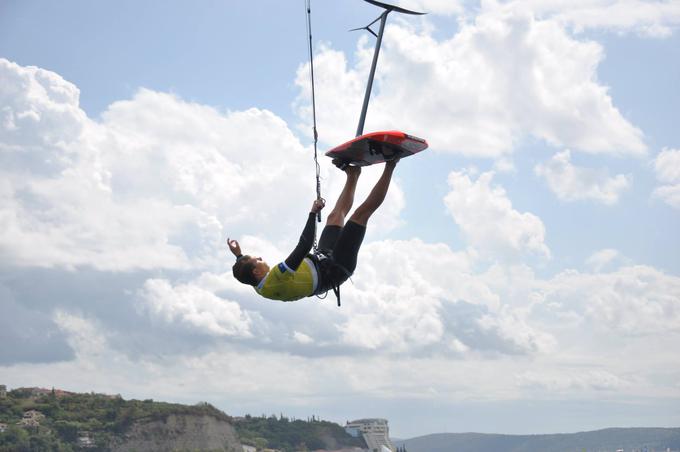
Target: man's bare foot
340, 163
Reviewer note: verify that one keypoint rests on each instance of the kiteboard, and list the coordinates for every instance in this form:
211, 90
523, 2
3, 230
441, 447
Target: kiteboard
377, 147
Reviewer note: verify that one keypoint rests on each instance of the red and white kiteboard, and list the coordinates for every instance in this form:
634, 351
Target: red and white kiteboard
377, 147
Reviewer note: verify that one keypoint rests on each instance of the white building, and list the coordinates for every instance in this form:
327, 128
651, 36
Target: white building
86, 441
3, 391
375, 432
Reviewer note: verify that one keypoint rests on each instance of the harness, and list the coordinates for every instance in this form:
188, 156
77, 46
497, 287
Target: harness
327, 270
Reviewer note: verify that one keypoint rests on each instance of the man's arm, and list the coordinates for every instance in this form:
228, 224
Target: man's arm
306, 238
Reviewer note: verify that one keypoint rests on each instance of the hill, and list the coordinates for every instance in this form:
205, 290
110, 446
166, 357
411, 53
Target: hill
608, 440
286, 434
35, 419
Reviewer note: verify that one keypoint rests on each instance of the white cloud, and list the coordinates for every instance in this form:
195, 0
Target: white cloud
485, 215
406, 299
646, 18
85, 335
302, 338
573, 183
633, 300
444, 7
600, 259
670, 194
39, 116
520, 335
412, 307
195, 308
410, 296
153, 185
502, 77
667, 167
399, 317
567, 380
657, 19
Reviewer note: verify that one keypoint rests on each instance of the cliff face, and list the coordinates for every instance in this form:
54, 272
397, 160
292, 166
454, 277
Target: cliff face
180, 433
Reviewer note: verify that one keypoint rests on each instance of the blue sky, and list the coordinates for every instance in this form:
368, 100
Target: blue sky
522, 277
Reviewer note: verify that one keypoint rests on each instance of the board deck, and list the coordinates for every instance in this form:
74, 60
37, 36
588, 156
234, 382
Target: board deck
377, 147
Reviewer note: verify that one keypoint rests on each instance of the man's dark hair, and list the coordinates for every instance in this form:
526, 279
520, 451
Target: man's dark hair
243, 271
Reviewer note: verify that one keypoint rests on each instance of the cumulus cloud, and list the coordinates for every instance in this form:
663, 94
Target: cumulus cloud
411, 308
667, 167
195, 308
503, 76
631, 301
431, 301
86, 336
646, 18
573, 183
154, 184
520, 335
39, 117
656, 19
485, 216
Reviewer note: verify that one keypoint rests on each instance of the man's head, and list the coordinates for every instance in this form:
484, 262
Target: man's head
250, 270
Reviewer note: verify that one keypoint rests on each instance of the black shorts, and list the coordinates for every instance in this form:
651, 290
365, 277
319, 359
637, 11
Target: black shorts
340, 248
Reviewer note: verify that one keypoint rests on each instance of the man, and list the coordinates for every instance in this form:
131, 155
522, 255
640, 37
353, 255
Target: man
303, 274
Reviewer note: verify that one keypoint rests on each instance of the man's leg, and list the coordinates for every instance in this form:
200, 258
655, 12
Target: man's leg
346, 198
376, 197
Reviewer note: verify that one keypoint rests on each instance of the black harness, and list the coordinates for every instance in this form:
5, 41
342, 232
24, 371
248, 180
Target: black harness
331, 274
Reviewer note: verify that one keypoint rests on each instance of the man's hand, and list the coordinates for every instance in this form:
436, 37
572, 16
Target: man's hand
234, 247
319, 204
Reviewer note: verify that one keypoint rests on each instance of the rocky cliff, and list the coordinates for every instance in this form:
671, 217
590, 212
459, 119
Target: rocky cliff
179, 432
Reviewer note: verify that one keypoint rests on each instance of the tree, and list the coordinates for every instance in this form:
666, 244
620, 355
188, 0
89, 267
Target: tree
15, 439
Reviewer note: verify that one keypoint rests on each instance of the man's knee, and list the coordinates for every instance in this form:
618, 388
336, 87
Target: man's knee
361, 215
335, 218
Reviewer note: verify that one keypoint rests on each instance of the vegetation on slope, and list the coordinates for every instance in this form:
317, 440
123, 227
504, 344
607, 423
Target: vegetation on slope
66, 420
69, 417
289, 435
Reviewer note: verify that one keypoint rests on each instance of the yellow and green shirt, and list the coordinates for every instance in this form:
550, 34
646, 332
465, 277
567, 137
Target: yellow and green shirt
283, 283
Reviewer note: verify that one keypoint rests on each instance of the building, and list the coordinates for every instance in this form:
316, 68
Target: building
3, 427
3, 391
375, 432
31, 418
85, 440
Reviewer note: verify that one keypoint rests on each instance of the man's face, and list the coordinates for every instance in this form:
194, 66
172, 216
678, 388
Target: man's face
261, 267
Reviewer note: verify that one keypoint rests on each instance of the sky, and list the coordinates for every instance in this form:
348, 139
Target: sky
522, 276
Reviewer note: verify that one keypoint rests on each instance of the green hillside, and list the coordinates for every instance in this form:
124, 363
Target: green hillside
293, 435
63, 418
44, 420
